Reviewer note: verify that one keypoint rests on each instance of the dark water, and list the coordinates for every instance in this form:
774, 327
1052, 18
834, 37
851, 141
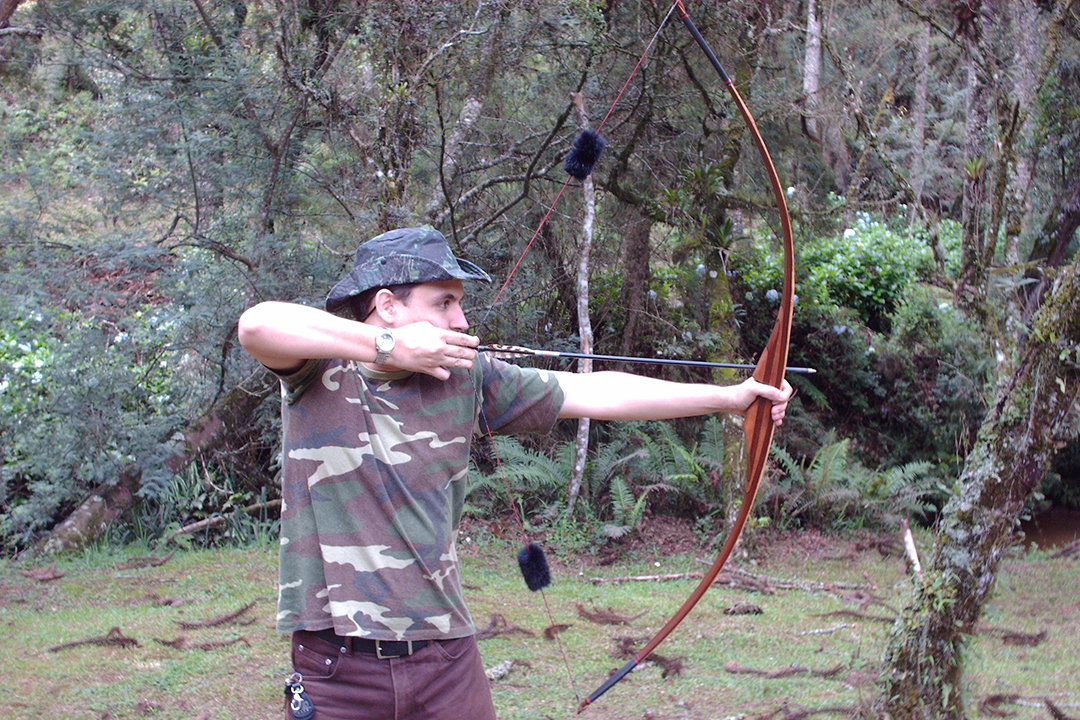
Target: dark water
1052, 528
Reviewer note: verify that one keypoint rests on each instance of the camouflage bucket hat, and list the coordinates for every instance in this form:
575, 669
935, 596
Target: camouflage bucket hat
408, 255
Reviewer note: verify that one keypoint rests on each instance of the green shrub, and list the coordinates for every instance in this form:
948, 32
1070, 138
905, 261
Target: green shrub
867, 268
933, 368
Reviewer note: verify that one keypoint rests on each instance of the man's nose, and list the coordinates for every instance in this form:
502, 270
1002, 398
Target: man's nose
459, 323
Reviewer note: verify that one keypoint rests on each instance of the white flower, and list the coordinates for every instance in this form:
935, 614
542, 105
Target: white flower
772, 296
790, 191
849, 233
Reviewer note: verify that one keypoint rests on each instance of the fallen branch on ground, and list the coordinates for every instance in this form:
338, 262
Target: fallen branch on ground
222, 519
43, 574
605, 616
1070, 550
783, 713
113, 637
215, 621
856, 615
499, 626
1056, 712
740, 579
1013, 637
789, 584
826, 631
647, 578
737, 669
551, 631
182, 643
142, 562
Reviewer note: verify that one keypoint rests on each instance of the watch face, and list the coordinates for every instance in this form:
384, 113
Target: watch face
384, 342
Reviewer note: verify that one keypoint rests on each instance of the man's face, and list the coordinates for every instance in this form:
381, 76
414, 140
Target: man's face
439, 303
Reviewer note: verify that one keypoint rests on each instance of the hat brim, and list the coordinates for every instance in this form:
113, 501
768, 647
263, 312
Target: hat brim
355, 283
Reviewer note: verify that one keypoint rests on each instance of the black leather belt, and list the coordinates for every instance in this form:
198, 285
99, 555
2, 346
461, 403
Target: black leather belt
382, 649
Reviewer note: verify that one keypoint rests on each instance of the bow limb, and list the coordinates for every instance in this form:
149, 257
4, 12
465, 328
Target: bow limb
758, 425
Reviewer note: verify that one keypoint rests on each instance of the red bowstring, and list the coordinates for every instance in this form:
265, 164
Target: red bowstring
498, 295
551, 208
525, 540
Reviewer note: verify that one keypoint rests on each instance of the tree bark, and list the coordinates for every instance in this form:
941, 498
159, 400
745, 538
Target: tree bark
491, 54
95, 513
635, 279
581, 442
1031, 414
812, 68
7, 9
1028, 30
971, 286
222, 422
918, 118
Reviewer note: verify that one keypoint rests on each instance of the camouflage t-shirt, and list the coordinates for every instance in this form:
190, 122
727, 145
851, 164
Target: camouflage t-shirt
374, 481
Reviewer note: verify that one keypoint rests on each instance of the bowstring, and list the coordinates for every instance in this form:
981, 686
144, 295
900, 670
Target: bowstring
482, 415
566, 183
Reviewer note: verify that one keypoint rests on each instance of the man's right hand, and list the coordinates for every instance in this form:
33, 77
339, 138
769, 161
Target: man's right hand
425, 348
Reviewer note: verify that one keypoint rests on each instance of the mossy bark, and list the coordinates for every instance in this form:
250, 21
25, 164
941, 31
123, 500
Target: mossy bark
923, 676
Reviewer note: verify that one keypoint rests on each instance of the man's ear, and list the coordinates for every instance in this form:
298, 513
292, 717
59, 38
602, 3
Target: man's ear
385, 306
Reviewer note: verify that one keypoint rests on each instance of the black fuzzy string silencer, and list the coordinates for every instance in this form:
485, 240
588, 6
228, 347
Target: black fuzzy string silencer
534, 567
586, 151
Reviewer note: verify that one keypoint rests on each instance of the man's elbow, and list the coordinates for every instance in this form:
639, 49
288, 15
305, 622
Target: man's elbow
254, 328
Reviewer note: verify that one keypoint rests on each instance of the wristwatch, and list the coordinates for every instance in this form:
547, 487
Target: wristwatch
384, 345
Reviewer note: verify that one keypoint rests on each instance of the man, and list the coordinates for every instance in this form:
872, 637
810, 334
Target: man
382, 395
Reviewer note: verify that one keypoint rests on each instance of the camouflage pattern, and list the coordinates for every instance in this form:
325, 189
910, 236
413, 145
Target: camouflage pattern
407, 255
374, 481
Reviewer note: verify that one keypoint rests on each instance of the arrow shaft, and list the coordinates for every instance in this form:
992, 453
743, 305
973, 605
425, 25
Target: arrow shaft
531, 352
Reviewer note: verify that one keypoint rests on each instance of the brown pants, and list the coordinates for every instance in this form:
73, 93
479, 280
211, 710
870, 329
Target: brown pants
443, 681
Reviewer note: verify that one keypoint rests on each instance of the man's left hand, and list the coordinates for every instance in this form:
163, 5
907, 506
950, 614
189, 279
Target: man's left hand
750, 390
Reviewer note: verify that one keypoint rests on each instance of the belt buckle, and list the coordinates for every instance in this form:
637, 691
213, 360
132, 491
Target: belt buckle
379, 652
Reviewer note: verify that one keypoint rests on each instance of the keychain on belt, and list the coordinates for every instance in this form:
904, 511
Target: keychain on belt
300, 705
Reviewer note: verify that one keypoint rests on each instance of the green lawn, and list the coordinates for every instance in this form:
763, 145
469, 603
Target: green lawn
819, 634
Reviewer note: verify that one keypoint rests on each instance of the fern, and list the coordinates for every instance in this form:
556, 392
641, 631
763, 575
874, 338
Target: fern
835, 489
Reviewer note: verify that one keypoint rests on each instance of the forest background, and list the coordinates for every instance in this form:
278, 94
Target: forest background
168, 164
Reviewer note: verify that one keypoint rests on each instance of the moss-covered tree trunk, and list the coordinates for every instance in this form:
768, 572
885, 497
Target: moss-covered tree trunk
1034, 405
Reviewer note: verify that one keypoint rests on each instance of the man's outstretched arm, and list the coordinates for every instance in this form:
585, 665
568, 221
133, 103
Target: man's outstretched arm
623, 396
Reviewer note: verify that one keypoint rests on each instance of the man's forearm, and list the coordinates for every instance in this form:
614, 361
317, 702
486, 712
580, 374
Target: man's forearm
622, 396
284, 335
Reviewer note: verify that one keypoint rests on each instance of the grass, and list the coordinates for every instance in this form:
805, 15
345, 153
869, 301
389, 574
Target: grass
797, 628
